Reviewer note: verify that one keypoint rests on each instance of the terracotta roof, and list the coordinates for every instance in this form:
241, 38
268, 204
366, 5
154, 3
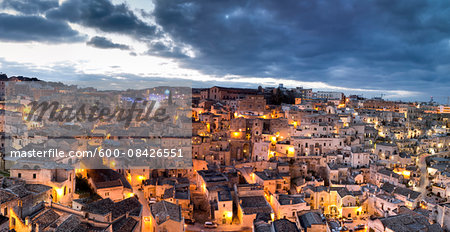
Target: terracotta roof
125, 225
166, 211
46, 218
284, 225
254, 204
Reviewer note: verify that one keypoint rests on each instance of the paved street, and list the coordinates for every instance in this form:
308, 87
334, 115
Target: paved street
196, 227
423, 183
352, 225
146, 226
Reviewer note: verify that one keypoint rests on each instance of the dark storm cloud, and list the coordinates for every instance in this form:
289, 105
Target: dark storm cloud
104, 16
29, 6
35, 28
365, 44
102, 42
160, 49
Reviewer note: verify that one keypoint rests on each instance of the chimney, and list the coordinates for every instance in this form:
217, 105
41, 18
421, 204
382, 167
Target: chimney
20, 205
170, 99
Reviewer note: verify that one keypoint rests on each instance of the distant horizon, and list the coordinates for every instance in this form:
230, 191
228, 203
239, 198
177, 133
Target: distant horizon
224, 85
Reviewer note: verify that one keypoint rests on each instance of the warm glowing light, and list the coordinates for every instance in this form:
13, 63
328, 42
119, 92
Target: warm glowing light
272, 216
59, 191
141, 177
236, 134
204, 187
130, 195
274, 139
271, 154
229, 214
291, 150
405, 173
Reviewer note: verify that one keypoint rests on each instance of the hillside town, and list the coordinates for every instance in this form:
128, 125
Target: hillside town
266, 159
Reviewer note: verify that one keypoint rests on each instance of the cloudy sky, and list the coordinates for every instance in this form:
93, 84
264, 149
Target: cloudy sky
399, 48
